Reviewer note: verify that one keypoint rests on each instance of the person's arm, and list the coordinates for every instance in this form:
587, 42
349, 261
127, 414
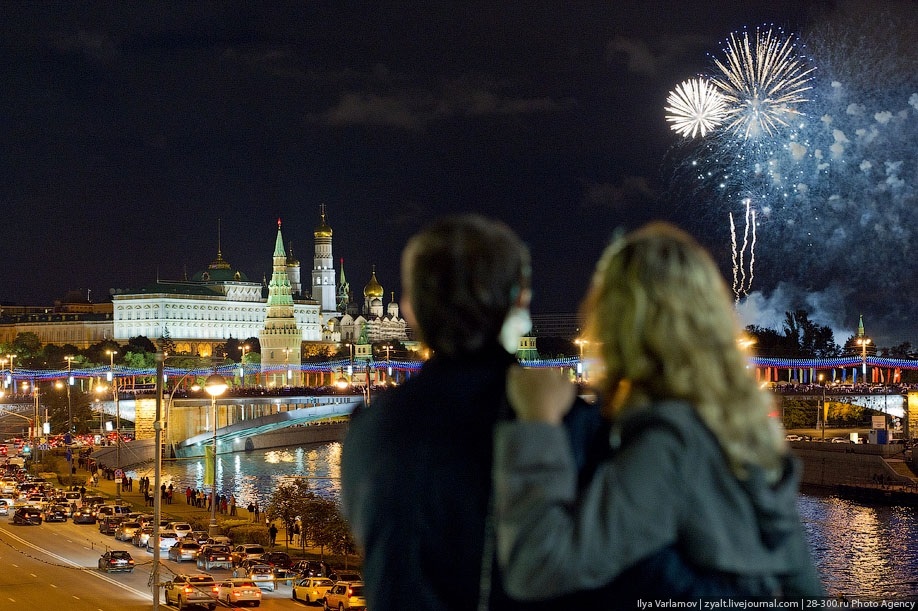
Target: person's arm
552, 542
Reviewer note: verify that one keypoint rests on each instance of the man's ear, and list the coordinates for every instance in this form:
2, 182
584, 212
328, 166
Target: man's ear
524, 299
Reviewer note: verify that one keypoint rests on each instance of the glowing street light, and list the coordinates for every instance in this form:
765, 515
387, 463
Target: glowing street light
581, 370
863, 342
215, 385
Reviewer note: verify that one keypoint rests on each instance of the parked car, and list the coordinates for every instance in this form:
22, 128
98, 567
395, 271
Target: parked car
84, 515
27, 515
311, 589
116, 560
261, 574
239, 591
213, 556
73, 497
109, 524
141, 536
167, 539
310, 568
245, 552
181, 528
345, 595
184, 550
343, 575
279, 561
55, 513
126, 530
222, 539
195, 589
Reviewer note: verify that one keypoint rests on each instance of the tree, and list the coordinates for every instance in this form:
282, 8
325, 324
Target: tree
98, 353
290, 501
141, 344
28, 350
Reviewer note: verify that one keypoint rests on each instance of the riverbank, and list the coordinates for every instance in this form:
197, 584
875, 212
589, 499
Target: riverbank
243, 527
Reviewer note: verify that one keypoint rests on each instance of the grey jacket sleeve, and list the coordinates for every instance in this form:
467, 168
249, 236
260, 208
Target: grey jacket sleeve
551, 542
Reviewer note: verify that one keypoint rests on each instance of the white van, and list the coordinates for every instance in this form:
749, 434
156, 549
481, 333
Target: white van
74, 498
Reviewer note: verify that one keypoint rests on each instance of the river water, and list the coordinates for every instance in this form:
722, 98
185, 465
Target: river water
860, 550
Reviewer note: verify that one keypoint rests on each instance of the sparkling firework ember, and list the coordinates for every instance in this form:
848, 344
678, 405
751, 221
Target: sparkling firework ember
761, 84
741, 282
696, 108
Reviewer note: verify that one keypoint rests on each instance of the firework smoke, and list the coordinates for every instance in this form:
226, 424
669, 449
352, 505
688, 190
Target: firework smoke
833, 187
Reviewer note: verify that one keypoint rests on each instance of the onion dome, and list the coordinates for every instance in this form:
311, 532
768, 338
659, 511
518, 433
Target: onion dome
291, 260
323, 230
373, 287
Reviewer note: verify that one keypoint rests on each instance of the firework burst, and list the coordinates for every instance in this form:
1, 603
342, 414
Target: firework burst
762, 83
695, 108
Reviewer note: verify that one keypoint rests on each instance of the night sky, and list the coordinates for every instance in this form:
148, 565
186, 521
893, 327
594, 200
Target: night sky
129, 128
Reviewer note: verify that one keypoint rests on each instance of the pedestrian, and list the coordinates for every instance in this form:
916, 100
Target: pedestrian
296, 533
272, 534
691, 458
416, 467
188, 495
256, 511
251, 509
232, 504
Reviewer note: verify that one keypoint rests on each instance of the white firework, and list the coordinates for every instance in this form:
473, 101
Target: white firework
762, 83
695, 108
743, 277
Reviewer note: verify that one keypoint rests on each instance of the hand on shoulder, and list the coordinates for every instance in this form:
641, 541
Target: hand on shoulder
540, 395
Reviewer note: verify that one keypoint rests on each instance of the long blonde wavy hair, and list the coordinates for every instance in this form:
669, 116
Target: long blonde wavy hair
660, 319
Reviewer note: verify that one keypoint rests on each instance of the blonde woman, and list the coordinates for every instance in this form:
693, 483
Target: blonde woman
693, 462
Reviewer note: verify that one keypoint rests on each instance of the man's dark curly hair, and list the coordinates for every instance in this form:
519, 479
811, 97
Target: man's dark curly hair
462, 275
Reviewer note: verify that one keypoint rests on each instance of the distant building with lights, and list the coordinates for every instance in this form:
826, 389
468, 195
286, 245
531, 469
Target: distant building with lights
218, 303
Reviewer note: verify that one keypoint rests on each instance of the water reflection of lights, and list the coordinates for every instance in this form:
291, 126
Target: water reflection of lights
254, 475
862, 550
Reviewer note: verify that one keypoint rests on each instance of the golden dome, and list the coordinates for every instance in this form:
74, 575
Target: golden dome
291, 260
373, 287
323, 230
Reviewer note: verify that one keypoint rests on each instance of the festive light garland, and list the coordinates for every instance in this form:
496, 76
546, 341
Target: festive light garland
229, 370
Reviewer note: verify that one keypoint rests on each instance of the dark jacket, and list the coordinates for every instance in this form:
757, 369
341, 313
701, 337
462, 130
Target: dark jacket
416, 480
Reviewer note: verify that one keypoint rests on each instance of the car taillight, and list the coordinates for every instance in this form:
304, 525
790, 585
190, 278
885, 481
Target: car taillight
188, 589
350, 591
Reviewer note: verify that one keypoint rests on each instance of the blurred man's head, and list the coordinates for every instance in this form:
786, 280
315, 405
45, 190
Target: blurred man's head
461, 276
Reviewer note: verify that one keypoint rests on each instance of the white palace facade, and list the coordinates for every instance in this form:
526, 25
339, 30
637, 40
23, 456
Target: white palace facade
220, 303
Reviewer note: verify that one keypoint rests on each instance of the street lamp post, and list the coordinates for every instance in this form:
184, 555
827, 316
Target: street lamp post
12, 378
244, 348
822, 407
387, 348
863, 342
157, 476
215, 385
111, 354
69, 360
581, 369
